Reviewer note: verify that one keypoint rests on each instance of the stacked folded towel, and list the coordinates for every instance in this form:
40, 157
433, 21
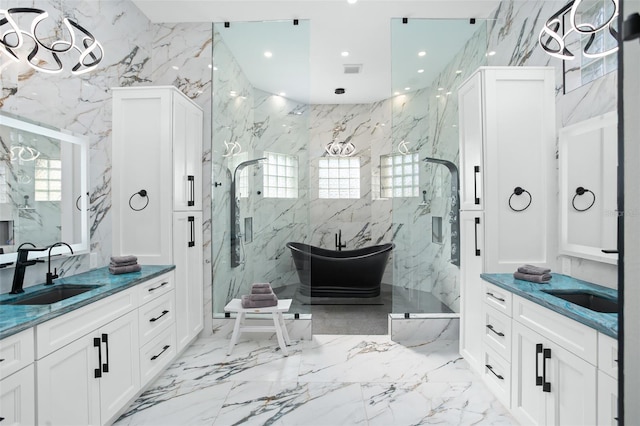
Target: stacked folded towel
262, 296
123, 265
534, 274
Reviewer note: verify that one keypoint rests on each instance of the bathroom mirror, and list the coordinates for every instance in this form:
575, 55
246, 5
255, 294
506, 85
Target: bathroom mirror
43, 188
588, 189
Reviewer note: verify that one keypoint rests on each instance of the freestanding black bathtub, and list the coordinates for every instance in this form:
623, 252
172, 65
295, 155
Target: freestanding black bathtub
348, 273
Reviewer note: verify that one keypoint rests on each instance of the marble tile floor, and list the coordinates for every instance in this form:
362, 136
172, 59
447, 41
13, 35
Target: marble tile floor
329, 380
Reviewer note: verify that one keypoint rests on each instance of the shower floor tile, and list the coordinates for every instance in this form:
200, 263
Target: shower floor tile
329, 380
365, 316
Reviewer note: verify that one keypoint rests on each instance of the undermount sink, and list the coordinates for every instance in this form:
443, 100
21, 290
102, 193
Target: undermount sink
51, 295
587, 299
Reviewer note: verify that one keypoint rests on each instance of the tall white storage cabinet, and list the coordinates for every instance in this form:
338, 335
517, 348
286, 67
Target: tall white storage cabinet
507, 182
157, 181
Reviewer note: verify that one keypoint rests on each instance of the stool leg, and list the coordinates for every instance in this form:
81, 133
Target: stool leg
285, 332
276, 323
236, 332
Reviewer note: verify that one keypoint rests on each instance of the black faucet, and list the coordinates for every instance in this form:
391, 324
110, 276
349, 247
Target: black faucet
339, 245
21, 265
50, 276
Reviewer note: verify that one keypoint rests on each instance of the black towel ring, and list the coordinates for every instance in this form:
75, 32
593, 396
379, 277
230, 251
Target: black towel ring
142, 193
519, 191
78, 200
580, 191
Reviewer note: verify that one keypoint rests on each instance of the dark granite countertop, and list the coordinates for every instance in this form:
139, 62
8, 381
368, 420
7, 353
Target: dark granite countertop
603, 322
15, 318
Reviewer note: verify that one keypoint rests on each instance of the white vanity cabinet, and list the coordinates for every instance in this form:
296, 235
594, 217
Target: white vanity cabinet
588, 161
91, 376
607, 380
17, 387
157, 147
554, 370
507, 140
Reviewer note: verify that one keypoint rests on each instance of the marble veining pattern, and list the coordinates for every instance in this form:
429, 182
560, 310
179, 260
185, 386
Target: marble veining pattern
330, 380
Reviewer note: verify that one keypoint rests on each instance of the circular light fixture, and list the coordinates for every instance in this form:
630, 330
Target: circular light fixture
420, 71
491, 53
339, 91
352, 1
344, 54
268, 54
422, 53
282, 94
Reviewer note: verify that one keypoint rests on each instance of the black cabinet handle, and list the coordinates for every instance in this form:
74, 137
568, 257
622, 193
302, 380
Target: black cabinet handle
490, 327
2, 359
161, 352
495, 297
165, 312
97, 373
538, 376
476, 171
546, 386
477, 222
105, 340
494, 373
192, 241
1, 419
162, 284
192, 195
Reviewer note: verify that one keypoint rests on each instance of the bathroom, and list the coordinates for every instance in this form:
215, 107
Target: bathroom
181, 55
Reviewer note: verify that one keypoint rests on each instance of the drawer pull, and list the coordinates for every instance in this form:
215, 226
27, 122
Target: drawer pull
495, 297
490, 327
546, 386
165, 312
97, 373
155, 288
538, 376
1, 419
161, 352
2, 359
494, 373
105, 340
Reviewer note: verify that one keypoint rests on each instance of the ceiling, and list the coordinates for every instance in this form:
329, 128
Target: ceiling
307, 64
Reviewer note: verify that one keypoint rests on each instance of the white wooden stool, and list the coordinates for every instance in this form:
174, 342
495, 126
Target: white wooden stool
235, 305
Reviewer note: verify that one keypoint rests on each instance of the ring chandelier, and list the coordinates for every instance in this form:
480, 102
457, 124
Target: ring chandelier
554, 43
79, 41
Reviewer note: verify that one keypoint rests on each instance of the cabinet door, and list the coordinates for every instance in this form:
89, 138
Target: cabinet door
68, 392
17, 398
607, 400
471, 241
520, 153
527, 397
142, 160
188, 258
471, 144
187, 154
120, 379
572, 397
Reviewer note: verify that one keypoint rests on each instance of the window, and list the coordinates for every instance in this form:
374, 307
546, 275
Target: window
339, 178
280, 176
48, 180
399, 175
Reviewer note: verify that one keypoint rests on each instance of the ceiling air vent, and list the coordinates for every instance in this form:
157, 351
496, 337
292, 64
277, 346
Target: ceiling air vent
353, 69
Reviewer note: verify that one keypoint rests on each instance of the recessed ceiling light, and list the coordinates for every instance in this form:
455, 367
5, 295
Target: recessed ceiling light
345, 54
233, 93
458, 71
215, 68
437, 96
422, 53
282, 94
352, 1
407, 88
420, 71
175, 68
448, 93
440, 89
268, 54
210, 66
491, 53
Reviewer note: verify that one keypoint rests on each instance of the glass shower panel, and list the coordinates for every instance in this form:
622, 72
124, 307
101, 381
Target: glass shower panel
260, 119
430, 59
